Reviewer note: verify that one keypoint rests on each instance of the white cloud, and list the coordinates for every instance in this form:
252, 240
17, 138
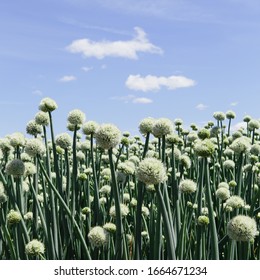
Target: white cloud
132, 99
142, 100
234, 103
37, 92
126, 49
154, 83
201, 107
86, 69
65, 79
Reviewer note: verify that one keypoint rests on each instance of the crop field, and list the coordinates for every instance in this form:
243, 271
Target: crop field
96, 193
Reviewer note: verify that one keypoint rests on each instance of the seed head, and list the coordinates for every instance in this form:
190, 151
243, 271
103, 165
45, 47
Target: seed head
90, 127
187, 186
204, 148
235, 202
42, 118
33, 128
76, 117
13, 217
64, 140
15, 167
146, 126
151, 171
223, 193
47, 105
242, 228
98, 236
34, 248
34, 147
162, 127
107, 136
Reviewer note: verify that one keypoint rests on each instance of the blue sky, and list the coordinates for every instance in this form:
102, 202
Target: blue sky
120, 61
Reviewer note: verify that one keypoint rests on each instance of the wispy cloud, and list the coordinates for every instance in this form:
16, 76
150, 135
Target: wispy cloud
37, 92
155, 83
142, 100
132, 99
66, 79
127, 49
86, 68
234, 103
201, 107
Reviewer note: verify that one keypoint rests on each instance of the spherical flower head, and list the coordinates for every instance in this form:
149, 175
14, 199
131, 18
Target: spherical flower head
85, 210
33, 128
229, 164
230, 114
223, 194
223, 185
42, 118
28, 216
187, 186
30, 169
203, 133
17, 139
80, 156
90, 127
76, 117
192, 136
253, 124
34, 147
236, 134
107, 136
73, 127
145, 211
126, 197
64, 140
185, 161
5, 145
204, 148
151, 171
110, 227
135, 160
13, 217
242, 228
127, 167
232, 184
173, 139
85, 146
34, 248
235, 201
47, 105
15, 167
125, 141
133, 202
98, 237
106, 189
146, 126
240, 145
219, 116
178, 122
124, 210
106, 174
203, 220
247, 118
255, 149
162, 127
214, 131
